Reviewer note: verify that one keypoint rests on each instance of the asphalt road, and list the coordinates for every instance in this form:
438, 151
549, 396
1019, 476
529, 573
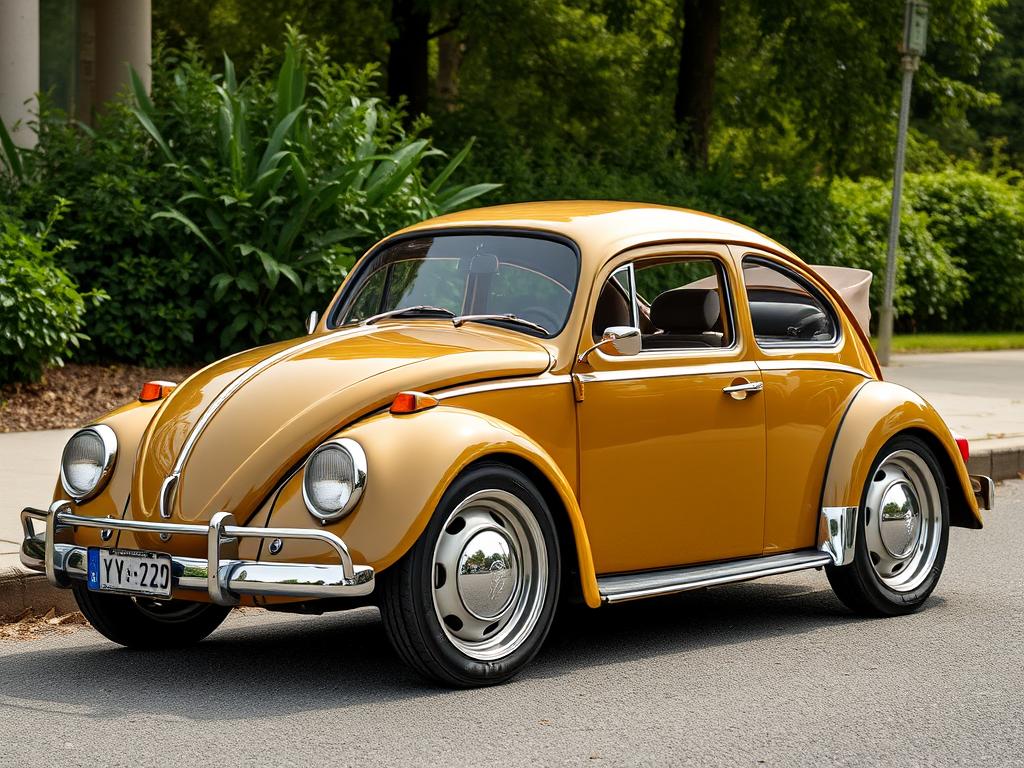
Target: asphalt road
774, 672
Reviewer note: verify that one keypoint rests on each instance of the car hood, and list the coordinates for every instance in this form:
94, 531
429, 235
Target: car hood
231, 432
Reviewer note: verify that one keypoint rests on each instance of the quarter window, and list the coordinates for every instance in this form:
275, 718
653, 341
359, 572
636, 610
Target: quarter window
785, 309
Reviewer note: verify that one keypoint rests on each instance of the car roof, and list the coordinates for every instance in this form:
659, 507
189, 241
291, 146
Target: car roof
603, 227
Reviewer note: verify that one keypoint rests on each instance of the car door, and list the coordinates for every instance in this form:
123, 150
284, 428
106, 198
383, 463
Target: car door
672, 466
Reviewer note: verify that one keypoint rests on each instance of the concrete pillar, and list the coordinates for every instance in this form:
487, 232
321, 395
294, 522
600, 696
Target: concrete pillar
123, 36
19, 66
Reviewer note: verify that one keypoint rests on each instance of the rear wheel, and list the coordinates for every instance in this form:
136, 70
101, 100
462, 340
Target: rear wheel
902, 533
146, 624
473, 600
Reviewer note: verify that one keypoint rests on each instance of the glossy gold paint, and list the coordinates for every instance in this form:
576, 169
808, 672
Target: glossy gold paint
648, 465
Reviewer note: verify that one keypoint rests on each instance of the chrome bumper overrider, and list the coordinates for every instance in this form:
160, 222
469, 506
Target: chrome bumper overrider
984, 491
221, 575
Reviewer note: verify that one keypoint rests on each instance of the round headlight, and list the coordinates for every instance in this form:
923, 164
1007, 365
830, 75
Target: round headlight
334, 479
87, 461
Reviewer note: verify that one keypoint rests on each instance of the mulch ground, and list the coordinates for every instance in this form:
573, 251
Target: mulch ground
74, 395
29, 626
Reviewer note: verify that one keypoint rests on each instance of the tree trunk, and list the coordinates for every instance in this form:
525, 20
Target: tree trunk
407, 54
695, 81
450, 50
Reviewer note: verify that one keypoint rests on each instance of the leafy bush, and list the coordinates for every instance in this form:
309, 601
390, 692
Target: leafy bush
217, 211
979, 218
41, 309
930, 284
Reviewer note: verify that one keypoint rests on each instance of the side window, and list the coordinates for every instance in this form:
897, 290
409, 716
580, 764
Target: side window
784, 309
680, 303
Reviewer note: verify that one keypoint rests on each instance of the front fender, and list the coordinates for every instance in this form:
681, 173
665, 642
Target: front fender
128, 422
411, 461
880, 410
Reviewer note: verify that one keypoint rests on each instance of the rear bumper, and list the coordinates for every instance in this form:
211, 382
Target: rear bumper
221, 575
984, 491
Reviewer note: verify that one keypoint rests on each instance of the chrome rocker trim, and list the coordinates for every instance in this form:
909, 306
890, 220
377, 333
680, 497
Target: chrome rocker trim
633, 586
221, 575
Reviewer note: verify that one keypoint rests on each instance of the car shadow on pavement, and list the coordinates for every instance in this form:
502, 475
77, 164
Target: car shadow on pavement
255, 666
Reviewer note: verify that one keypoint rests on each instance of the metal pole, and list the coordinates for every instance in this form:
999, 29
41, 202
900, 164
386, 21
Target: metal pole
909, 65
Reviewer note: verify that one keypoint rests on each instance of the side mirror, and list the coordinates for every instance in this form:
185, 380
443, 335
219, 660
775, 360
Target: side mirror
619, 341
312, 320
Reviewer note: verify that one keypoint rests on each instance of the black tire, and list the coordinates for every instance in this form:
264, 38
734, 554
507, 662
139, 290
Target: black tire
859, 585
148, 625
413, 622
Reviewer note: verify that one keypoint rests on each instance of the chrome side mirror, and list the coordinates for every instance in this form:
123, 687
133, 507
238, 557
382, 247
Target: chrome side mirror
312, 320
619, 341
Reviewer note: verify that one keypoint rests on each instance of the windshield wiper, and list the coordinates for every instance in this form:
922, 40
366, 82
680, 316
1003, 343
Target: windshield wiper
424, 308
509, 318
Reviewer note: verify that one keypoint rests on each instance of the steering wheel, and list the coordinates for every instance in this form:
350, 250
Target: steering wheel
810, 326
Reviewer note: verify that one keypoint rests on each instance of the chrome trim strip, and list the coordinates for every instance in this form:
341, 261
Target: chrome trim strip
633, 586
237, 383
492, 386
622, 374
810, 365
222, 575
837, 533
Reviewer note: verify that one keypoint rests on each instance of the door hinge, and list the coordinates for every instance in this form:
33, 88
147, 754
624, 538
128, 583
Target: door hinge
577, 387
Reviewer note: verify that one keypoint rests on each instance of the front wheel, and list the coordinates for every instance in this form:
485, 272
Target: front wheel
473, 600
902, 533
146, 624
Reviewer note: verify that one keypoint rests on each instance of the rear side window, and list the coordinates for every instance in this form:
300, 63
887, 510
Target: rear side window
785, 309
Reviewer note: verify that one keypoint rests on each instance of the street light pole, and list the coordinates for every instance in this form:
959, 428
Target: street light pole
914, 34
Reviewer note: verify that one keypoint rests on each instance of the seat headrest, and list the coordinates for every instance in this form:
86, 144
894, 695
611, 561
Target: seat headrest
687, 310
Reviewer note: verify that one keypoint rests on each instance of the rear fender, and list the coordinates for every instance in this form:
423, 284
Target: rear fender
879, 411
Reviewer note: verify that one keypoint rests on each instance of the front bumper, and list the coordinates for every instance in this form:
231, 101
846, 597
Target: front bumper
221, 575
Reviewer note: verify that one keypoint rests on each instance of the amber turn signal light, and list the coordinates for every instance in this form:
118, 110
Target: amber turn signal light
412, 402
155, 390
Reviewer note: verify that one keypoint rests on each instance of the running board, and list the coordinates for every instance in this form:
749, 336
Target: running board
633, 586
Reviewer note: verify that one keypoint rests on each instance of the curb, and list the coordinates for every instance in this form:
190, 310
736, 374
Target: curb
998, 463
21, 590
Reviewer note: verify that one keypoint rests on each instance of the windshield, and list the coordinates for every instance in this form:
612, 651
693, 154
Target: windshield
531, 278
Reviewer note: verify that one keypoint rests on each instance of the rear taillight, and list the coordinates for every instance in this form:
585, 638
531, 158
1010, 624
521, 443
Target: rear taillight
964, 446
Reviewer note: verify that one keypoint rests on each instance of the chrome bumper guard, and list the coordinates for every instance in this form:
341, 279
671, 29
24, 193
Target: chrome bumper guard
984, 491
221, 575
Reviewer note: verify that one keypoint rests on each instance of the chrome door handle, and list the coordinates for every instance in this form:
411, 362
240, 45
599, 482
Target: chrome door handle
740, 391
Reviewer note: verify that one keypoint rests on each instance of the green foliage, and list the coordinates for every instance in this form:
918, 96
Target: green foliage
41, 309
217, 211
980, 220
930, 284
293, 180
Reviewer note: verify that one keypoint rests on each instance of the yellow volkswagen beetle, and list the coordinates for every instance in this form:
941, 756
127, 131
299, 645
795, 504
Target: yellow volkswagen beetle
504, 409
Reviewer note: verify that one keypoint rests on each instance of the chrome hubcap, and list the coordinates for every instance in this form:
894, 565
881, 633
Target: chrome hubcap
490, 574
902, 521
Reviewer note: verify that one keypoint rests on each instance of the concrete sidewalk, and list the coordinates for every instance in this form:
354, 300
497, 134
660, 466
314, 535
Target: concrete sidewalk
980, 394
28, 471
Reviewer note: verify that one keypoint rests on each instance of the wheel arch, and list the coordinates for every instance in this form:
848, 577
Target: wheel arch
414, 459
878, 412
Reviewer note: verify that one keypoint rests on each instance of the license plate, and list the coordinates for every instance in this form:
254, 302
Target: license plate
129, 571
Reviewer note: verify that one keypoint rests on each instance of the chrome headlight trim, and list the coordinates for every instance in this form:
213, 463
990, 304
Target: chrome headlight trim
358, 457
109, 440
